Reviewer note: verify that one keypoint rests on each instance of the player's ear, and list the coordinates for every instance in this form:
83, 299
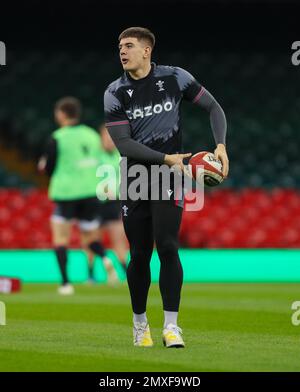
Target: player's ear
147, 51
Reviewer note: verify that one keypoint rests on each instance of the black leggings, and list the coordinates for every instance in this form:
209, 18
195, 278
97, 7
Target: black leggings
145, 222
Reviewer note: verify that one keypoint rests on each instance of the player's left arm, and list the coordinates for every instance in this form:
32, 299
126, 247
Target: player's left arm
218, 125
193, 92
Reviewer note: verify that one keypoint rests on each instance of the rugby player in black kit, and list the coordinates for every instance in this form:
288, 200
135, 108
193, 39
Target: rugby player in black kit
142, 113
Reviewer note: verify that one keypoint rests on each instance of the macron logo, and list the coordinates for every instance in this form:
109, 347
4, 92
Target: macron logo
169, 192
125, 209
129, 92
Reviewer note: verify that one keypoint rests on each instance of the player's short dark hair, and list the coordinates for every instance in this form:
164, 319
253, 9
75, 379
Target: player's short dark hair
141, 33
71, 106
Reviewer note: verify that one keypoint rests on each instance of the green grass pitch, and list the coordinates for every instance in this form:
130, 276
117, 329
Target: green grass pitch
227, 327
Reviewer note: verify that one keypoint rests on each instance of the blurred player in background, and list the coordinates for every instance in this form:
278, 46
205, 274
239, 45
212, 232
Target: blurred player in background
109, 210
71, 160
142, 110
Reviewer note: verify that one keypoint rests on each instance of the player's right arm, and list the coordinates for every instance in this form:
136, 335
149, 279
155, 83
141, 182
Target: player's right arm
48, 161
119, 129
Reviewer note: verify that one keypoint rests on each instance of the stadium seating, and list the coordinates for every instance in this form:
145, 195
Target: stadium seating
251, 218
12, 180
24, 220
260, 118
255, 208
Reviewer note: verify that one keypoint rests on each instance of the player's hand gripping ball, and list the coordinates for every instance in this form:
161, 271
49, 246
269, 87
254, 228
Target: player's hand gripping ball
206, 168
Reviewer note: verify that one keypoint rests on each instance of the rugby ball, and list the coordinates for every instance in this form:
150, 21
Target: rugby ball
206, 168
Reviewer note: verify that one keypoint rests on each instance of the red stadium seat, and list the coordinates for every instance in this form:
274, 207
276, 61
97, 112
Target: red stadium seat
250, 218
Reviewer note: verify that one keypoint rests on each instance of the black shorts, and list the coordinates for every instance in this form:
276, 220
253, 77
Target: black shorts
109, 211
143, 207
166, 189
83, 210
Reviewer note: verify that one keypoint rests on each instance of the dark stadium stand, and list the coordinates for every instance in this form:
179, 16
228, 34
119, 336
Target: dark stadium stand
261, 120
12, 180
253, 208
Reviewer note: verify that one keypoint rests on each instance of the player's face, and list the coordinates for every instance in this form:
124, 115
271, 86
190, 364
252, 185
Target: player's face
59, 116
133, 53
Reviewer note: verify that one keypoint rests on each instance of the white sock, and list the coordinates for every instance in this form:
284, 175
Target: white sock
170, 318
139, 318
